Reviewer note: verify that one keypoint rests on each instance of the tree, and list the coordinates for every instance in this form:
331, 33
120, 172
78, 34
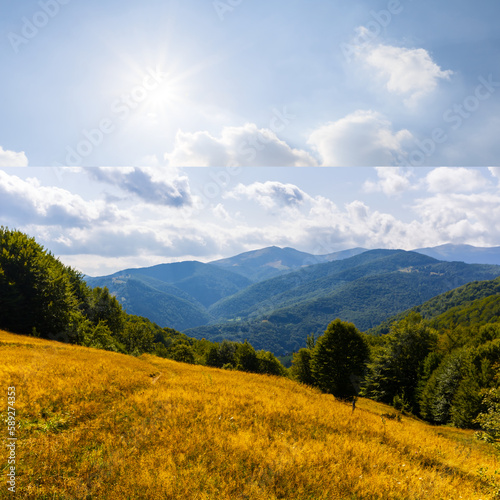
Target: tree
100, 337
439, 392
222, 354
338, 359
396, 369
182, 352
105, 307
268, 363
36, 289
301, 366
246, 358
137, 335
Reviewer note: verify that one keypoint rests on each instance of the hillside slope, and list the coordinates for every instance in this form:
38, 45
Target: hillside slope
95, 424
205, 283
174, 295
480, 296
280, 313
322, 280
149, 298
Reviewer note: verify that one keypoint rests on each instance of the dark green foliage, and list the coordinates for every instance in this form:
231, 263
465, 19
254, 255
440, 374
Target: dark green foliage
445, 309
489, 418
301, 366
246, 358
162, 303
269, 364
101, 337
222, 354
183, 353
338, 359
439, 392
278, 314
398, 365
137, 336
36, 290
102, 306
466, 403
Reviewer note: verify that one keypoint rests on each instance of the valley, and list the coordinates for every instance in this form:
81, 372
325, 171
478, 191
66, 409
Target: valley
275, 297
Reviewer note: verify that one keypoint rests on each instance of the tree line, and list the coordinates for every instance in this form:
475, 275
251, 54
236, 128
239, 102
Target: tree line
448, 376
41, 296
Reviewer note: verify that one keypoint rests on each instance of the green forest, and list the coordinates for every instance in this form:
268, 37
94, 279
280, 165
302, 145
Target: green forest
439, 361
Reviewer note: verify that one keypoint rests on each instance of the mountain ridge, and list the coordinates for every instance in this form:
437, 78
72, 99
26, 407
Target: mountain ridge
210, 299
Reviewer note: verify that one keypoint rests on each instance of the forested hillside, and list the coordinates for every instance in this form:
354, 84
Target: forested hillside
277, 314
451, 303
365, 289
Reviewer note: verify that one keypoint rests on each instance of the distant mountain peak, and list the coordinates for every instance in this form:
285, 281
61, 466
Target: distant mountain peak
463, 253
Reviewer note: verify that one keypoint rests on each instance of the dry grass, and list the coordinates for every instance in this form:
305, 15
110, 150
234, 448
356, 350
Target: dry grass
100, 425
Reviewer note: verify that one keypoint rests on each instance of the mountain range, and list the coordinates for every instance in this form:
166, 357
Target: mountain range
463, 253
275, 297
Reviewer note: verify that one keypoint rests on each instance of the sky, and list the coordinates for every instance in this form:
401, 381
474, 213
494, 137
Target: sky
240, 83
100, 220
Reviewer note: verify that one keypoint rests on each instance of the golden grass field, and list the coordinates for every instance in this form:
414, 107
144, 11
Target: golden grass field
94, 424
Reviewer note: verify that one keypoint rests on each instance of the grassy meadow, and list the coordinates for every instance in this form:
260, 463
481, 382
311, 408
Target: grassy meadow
100, 425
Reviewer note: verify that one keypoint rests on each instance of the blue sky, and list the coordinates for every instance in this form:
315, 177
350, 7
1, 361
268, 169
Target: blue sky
104, 219
249, 83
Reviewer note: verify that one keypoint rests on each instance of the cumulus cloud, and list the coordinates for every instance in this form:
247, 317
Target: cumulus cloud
407, 72
455, 180
361, 138
162, 186
270, 194
246, 145
495, 171
461, 217
392, 181
26, 201
12, 159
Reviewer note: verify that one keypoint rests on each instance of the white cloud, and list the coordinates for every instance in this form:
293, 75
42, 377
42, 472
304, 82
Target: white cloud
495, 171
270, 194
26, 201
237, 146
461, 218
361, 138
392, 181
134, 232
407, 72
12, 159
220, 212
455, 180
157, 185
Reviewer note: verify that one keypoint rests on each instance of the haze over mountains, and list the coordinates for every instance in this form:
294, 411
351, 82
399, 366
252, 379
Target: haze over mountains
463, 253
275, 297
